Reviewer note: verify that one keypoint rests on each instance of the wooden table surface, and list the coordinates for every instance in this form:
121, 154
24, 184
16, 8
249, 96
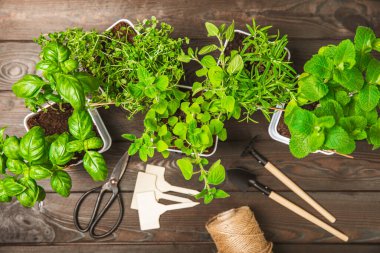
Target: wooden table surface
349, 188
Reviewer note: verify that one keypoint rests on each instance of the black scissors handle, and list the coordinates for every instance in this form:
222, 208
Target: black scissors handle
96, 216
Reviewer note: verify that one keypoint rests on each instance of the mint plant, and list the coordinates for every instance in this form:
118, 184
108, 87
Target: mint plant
342, 81
24, 161
61, 82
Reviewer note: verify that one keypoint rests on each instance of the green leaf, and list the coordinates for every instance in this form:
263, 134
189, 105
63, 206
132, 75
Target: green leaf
184, 58
329, 108
29, 196
319, 66
162, 146
69, 65
56, 52
11, 148
162, 82
222, 135
75, 146
80, 124
49, 66
130, 137
368, 97
364, 38
58, 154
95, 165
3, 195
29, 86
326, 121
89, 83
150, 124
313, 88
17, 167
212, 30
61, 183
32, 145
338, 139
350, 79
220, 194
301, 122
376, 45
133, 149
236, 64
201, 72
11, 187
197, 87
71, 90
342, 97
186, 167
298, 147
216, 126
172, 120
39, 172
216, 75
345, 55
354, 126
230, 32
216, 174
208, 61
228, 103
162, 131
93, 143
207, 49
2, 164
373, 72
208, 198
41, 194
374, 134
180, 129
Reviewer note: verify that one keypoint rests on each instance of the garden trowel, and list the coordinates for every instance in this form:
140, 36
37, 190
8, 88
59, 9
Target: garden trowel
163, 185
150, 210
147, 183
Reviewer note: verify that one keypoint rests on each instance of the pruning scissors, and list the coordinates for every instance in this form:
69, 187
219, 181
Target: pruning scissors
110, 186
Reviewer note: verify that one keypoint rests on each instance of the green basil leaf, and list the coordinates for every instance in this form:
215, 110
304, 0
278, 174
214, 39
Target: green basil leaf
58, 154
30, 195
75, 146
61, 183
2, 164
216, 174
39, 172
49, 66
3, 195
95, 165
69, 65
90, 84
41, 194
71, 90
11, 148
32, 145
11, 187
29, 86
56, 52
17, 167
93, 143
80, 124
186, 167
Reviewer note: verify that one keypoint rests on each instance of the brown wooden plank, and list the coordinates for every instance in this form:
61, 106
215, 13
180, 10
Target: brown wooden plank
184, 248
22, 20
356, 213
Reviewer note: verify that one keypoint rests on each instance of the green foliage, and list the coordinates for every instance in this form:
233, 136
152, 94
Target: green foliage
342, 82
61, 82
38, 157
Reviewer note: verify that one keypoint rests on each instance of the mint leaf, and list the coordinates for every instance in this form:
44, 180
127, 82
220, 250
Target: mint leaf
354, 126
364, 38
216, 174
326, 121
313, 88
374, 134
301, 122
319, 66
368, 97
186, 167
373, 72
342, 97
338, 139
329, 108
345, 55
298, 147
350, 79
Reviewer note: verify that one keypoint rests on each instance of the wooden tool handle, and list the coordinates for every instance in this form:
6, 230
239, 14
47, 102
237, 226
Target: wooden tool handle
297, 190
304, 214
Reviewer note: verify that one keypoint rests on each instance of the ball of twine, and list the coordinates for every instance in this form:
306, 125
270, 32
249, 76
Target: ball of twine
237, 231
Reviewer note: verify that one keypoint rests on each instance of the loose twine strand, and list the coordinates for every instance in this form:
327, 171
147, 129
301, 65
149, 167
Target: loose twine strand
237, 231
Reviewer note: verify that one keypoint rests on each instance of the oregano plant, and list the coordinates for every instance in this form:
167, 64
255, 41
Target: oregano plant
342, 83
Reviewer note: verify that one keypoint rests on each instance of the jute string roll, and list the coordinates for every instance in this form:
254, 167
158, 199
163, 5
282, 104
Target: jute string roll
237, 231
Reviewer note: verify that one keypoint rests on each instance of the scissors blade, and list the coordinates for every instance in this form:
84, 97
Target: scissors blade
120, 167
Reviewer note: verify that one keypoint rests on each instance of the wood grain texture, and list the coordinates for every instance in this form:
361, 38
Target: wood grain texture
188, 225
301, 19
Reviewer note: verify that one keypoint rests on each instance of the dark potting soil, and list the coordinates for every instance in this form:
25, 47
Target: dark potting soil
283, 129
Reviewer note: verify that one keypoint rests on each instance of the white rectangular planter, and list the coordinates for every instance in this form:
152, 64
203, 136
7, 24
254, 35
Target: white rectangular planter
98, 123
275, 135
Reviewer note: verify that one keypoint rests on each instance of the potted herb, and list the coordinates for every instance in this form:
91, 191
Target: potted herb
341, 83
60, 93
36, 156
